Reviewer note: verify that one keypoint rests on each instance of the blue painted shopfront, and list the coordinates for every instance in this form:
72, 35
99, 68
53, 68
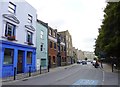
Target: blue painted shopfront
8, 69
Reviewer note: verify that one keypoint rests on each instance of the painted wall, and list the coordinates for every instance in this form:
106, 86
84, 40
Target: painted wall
22, 11
41, 54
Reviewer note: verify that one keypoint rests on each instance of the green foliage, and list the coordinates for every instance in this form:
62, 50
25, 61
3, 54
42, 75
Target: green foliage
108, 40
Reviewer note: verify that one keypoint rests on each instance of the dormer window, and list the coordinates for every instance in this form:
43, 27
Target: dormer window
29, 18
12, 8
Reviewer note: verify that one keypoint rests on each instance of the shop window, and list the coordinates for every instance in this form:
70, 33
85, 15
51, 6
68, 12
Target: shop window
8, 56
29, 57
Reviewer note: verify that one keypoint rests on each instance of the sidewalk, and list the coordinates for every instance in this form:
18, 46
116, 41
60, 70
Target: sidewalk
108, 68
35, 74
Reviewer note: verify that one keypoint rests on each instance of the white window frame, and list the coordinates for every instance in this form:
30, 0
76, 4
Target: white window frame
30, 18
41, 34
12, 8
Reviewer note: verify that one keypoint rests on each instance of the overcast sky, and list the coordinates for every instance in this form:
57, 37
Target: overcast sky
81, 17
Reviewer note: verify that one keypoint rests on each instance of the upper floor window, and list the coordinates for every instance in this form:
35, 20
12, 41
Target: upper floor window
50, 44
42, 47
50, 31
54, 34
29, 18
55, 45
11, 7
10, 31
41, 34
29, 37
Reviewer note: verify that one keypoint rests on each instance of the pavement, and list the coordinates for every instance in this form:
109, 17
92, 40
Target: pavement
24, 76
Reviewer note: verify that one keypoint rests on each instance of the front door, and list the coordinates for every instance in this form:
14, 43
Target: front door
20, 62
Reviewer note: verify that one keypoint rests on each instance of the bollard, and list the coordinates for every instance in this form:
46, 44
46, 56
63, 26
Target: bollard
14, 73
40, 69
29, 71
48, 68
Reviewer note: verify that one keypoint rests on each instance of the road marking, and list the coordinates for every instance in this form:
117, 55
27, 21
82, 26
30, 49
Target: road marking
86, 82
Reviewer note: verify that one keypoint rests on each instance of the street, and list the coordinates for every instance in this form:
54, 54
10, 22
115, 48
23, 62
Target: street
74, 75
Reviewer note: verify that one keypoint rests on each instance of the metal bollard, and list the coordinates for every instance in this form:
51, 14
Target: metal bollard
14, 73
29, 71
48, 68
40, 69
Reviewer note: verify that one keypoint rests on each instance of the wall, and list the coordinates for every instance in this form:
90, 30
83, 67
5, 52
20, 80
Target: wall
44, 54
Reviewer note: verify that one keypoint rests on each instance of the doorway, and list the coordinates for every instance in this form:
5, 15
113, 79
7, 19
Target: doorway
20, 62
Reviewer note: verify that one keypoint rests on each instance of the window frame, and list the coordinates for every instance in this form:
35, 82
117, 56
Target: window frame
31, 37
30, 19
12, 29
12, 54
29, 57
41, 34
51, 44
10, 8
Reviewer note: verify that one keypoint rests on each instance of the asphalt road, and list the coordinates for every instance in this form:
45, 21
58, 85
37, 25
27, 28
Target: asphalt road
75, 75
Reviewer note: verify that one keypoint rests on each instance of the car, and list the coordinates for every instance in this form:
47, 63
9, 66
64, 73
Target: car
79, 61
93, 62
84, 62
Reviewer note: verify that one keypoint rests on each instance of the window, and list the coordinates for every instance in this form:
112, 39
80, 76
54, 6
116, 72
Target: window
61, 48
29, 18
54, 34
12, 7
8, 56
42, 47
50, 44
50, 32
43, 62
29, 37
29, 57
54, 45
53, 59
41, 34
9, 29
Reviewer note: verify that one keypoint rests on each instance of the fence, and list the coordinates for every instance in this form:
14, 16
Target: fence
25, 75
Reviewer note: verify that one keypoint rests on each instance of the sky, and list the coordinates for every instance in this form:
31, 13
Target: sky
81, 18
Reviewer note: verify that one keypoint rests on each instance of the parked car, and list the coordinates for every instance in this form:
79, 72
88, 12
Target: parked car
84, 62
93, 62
79, 61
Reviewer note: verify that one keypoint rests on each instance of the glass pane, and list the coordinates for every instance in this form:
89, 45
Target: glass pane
8, 56
29, 57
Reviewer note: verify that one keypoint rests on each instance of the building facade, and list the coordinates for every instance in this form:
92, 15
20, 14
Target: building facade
68, 44
17, 37
80, 55
89, 55
75, 55
61, 50
52, 47
41, 44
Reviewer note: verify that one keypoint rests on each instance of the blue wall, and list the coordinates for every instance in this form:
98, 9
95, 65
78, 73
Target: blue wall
8, 70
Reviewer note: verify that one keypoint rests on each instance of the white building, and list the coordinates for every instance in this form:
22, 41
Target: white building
89, 55
17, 37
80, 55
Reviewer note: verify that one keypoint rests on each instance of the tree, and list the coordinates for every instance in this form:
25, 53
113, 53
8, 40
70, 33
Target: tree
108, 40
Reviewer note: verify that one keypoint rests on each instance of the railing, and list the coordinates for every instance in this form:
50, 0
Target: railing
27, 74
